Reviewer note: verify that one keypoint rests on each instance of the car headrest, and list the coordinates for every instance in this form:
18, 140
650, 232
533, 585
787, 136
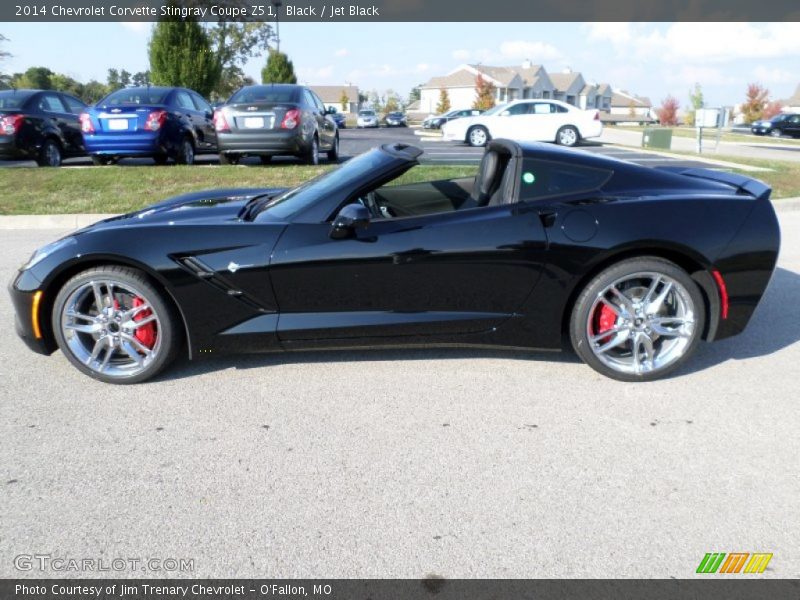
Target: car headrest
487, 172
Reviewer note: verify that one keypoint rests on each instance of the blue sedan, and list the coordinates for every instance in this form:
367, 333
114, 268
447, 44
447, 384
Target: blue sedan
156, 122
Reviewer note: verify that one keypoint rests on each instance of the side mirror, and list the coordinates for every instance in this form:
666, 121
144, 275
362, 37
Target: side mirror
330, 110
351, 217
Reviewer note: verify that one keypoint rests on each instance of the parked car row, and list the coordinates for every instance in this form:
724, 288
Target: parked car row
436, 121
166, 123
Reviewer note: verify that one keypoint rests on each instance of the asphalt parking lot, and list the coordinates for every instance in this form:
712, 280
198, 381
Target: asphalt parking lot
356, 141
456, 463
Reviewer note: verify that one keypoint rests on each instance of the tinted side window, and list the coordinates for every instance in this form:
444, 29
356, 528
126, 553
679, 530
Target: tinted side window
518, 109
183, 100
74, 105
51, 103
544, 179
308, 100
200, 103
319, 103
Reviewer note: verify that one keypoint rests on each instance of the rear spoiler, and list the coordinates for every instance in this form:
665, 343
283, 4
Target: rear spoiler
748, 185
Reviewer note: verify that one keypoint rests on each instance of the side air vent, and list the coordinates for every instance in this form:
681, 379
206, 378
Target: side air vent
207, 274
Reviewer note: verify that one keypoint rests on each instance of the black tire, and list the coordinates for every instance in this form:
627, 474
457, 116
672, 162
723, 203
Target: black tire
169, 328
161, 159
101, 161
228, 159
265, 159
478, 136
185, 155
49, 154
568, 136
580, 317
311, 155
333, 153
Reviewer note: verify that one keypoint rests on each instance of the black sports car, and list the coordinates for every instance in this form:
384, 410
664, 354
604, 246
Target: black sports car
633, 265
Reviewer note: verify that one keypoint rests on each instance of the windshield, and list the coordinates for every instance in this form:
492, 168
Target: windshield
779, 118
13, 99
136, 96
295, 200
264, 93
495, 110
367, 113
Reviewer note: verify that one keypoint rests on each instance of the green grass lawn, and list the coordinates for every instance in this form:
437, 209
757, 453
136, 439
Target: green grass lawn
709, 135
68, 190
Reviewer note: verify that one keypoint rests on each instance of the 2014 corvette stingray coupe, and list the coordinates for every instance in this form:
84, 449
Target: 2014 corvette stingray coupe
632, 265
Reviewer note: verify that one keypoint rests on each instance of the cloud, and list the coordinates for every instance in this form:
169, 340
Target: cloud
774, 75
315, 74
616, 33
688, 75
539, 52
342, 52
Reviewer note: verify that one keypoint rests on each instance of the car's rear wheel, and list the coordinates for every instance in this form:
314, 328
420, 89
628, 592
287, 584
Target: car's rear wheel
478, 136
185, 154
228, 159
311, 156
114, 325
567, 136
638, 320
333, 153
49, 154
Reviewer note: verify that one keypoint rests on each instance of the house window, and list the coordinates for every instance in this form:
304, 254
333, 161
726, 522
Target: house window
546, 95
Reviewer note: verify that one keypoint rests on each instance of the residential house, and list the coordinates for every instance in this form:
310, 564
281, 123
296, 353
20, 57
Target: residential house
568, 86
792, 104
629, 108
331, 96
595, 96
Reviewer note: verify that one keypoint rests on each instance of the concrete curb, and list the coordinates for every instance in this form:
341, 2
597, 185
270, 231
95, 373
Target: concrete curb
82, 220
688, 157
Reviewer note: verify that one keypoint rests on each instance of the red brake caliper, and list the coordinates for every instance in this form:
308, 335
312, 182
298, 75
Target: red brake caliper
146, 334
604, 319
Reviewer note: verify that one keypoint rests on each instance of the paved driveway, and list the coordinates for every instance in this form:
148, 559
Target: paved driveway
407, 463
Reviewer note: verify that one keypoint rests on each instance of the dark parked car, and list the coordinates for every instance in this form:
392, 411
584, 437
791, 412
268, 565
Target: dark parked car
157, 122
395, 119
40, 125
634, 264
275, 119
436, 121
779, 125
339, 118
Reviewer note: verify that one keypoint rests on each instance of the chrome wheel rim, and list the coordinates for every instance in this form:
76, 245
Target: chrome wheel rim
52, 154
112, 328
567, 137
641, 323
477, 137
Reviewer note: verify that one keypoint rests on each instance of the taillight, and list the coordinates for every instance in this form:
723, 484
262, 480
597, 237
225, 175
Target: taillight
291, 119
10, 124
220, 122
155, 120
86, 123
723, 293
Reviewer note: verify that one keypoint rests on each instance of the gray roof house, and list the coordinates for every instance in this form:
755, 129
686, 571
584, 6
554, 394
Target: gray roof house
331, 95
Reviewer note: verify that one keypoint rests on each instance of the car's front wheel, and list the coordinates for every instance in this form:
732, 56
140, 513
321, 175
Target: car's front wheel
478, 136
333, 153
567, 136
114, 325
638, 320
185, 154
311, 155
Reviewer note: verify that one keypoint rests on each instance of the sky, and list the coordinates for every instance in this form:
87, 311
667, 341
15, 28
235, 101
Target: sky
649, 59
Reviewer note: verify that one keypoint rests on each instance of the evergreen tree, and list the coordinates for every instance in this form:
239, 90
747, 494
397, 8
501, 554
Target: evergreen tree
279, 69
181, 55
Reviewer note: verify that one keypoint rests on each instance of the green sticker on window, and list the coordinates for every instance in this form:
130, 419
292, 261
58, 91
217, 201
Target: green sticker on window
528, 177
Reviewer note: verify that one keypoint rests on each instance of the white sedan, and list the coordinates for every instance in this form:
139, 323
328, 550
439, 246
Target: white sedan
527, 121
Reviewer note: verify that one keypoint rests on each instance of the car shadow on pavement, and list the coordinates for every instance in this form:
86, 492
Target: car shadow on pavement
774, 326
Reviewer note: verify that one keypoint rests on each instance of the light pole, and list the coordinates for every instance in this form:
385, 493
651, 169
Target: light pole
277, 4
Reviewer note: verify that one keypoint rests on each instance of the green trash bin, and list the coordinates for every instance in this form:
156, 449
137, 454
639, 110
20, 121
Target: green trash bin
660, 138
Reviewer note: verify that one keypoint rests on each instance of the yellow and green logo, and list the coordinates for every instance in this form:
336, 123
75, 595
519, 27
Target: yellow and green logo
735, 562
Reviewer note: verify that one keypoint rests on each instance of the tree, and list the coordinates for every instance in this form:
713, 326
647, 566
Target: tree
36, 77
415, 94
631, 108
233, 45
668, 112
279, 69
64, 83
141, 78
344, 100
94, 91
756, 102
392, 101
485, 93
181, 55
444, 102
772, 109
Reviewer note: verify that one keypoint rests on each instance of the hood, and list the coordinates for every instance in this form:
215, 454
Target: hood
205, 207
